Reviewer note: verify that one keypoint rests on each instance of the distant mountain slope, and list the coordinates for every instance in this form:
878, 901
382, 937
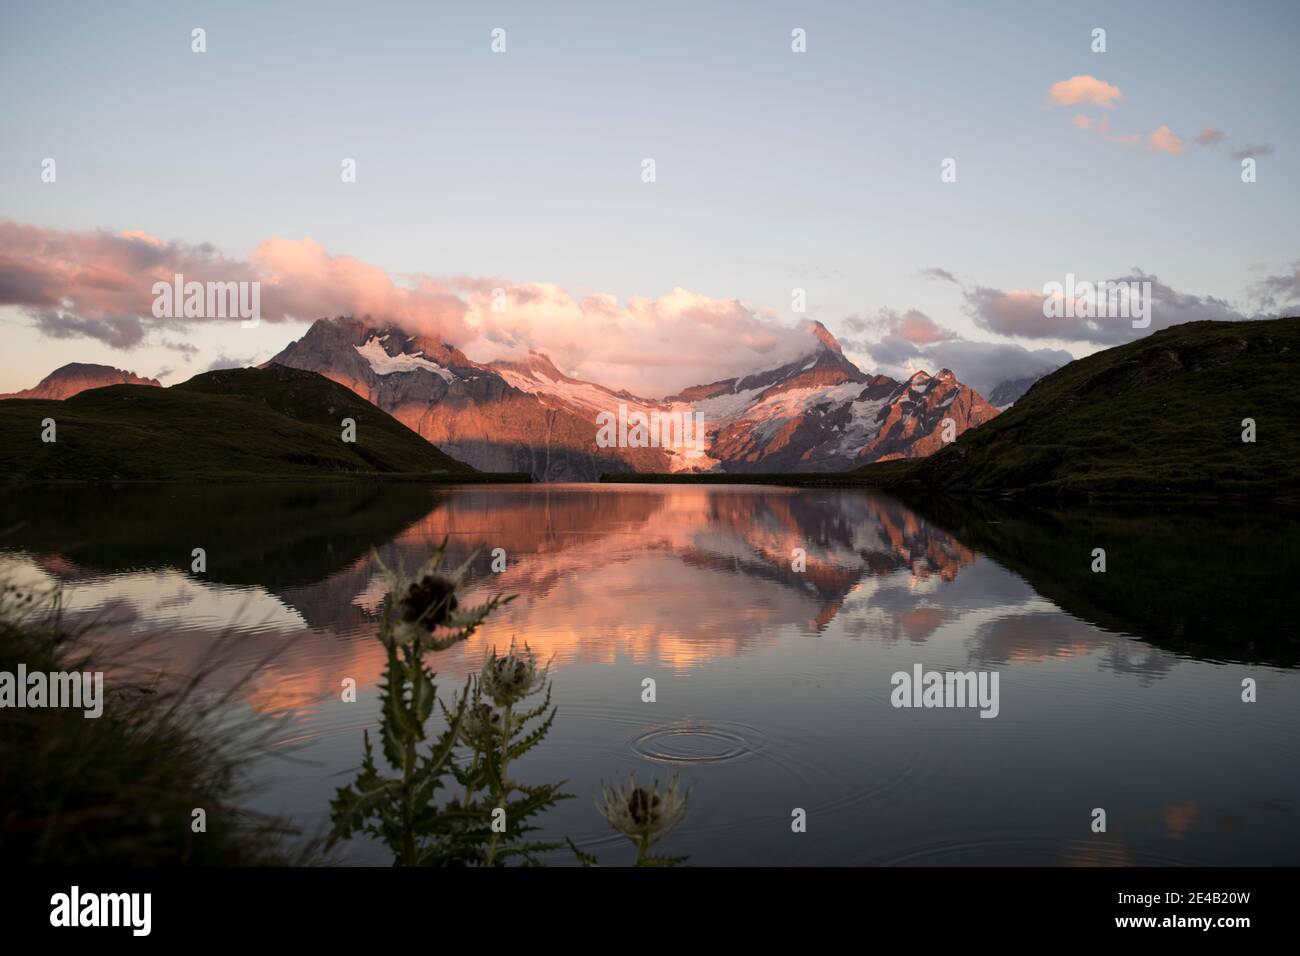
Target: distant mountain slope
817, 413
237, 423
77, 377
1162, 415
1005, 394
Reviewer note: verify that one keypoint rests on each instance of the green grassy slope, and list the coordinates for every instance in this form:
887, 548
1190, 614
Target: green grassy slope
230, 424
1159, 416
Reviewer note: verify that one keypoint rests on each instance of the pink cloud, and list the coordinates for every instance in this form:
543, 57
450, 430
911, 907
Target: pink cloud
1084, 89
1088, 89
303, 281
1165, 140
650, 346
919, 329
912, 326
99, 285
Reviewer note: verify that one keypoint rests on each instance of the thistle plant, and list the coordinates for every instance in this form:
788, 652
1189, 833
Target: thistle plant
420, 616
489, 819
406, 808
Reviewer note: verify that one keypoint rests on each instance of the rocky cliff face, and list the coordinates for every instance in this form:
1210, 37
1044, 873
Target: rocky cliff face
820, 413
78, 377
914, 417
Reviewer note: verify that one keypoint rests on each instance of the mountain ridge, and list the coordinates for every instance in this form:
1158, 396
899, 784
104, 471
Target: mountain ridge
819, 412
77, 377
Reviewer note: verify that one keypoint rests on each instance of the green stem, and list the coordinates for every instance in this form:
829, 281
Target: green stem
473, 772
408, 772
504, 790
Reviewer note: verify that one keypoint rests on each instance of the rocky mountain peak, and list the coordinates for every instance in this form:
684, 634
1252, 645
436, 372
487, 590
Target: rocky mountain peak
77, 377
534, 364
824, 336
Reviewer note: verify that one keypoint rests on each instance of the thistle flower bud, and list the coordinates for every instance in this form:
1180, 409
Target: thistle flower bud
509, 679
644, 813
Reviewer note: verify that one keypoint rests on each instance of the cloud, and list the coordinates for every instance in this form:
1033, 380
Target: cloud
651, 346
99, 285
1165, 140
1084, 89
1212, 138
187, 350
98, 275
1161, 140
70, 280
117, 331
1088, 90
981, 365
942, 274
1019, 314
1250, 152
1279, 292
301, 280
896, 339
985, 365
911, 326
225, 361
1102, 128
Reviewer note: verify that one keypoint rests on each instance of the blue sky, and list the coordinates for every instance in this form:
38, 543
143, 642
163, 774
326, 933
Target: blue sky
775, 170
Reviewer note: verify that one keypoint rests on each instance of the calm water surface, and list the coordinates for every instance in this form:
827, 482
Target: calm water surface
1120, 691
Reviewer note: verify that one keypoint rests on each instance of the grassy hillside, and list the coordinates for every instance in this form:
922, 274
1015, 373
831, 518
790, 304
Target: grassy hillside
1160, 416
232, 424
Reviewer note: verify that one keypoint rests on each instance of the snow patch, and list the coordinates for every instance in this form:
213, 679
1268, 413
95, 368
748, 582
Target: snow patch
381, 363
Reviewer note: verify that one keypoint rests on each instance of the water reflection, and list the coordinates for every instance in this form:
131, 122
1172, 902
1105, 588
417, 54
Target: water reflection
771, 620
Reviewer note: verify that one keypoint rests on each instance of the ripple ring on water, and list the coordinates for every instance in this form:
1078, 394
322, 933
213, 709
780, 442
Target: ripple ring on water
694, 744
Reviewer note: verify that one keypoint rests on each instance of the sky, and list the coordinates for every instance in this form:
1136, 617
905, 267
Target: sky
500, 198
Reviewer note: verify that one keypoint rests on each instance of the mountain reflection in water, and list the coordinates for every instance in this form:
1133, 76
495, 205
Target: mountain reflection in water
1119, 690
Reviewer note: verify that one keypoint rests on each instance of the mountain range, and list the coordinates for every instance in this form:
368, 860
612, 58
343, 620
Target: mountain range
1202, 409
818, 413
